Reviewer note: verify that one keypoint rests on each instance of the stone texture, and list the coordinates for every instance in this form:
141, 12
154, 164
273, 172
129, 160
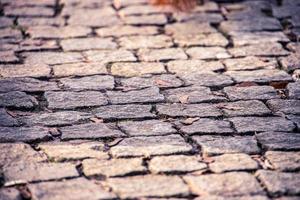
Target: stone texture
55, 119
244, 108
146, 128
279, 140
232, 162
284, 161
193, 94
74, 151
280, 183
136, 69
124, 112
79, 69
188, 110
89, 131
137, 42
150, 185
251, 92
161, 54
113, 167
228, 184
284, 106
214, 145
70, 100
70, 189
147, 146
207, 53
249, 63
178, 163
294, 91
148, 95
208, 79
126, 30
18, 100
6, 119
23, 134
208, 126
88, 83
106, 56
87, 44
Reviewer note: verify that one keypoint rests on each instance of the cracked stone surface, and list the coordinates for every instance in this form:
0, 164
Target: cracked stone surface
135, 101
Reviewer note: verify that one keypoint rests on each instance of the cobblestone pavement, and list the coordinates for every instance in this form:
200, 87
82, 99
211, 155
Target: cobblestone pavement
126, 101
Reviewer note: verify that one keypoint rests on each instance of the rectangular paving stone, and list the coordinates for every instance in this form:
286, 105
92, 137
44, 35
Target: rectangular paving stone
280, 183
137, 69
188, 110
158, 19
233, 162
148, 95
207, 53
38, 172
250, 63
137, 42
23, 134
106, 56
214, 145
73, 151
284, 161
81, 44
228, 184
26, 85
208, 79
294, 90
146, 128
124, 112
112, 167
284, 106
244, 108
261, 49
124, 30
18, 100
147, 186
53, 32
251, 93
89, 131
70, 100
208, 126
260, 124
148, 146
279, 140
70, 189
176, 163
55, 119
79, 69
192, 94
6, 119
260, 76
88, 83
151, 55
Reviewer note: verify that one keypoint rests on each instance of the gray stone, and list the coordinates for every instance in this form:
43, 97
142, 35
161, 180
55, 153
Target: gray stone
260, 124
106, 56
214, 145
228, 184
149, 146
70, 189
148, 95
232, 162
124, 112
70, 100
208, 126
82, 44
18, 100
208, 79
285, 106
6, 119
89, 131
294, 90
88, 83
138, 42
251, 92
279, 140
146, 128
188, 110
192, 94
244, 108
207, 53
280, 183
55, 119
150, 55
284, 161
148, 186
23, 134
